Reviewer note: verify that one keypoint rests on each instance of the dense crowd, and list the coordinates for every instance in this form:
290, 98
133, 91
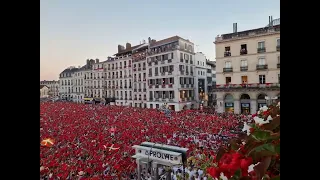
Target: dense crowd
95, 141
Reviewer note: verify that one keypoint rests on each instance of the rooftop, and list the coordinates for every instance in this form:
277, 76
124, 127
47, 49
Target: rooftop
167, 41
272, 28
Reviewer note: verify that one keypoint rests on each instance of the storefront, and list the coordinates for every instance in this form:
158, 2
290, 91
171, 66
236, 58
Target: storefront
229, 107
245, 104
245, 108
261, 101
228, 103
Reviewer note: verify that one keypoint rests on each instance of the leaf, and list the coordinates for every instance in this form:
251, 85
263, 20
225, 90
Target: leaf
261, 135
276, 178
273, 124
220, 153
277, 148
236, 175
265, 147
262, 167
210, 178
245, 178
234, 144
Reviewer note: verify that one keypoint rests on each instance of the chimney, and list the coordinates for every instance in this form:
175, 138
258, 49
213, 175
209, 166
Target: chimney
97, 60
119, 48
235, 28
143, 41
153, 41
269, 21
128, 46
87, 61
149, 40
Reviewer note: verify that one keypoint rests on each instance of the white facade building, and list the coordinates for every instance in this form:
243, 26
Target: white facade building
66, 83
171, 73
53, 87
119, 76
78, 88
44, 91
211, 78
202, 72
94, 79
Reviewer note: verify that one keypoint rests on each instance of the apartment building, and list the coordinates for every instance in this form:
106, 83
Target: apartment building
119, 76
171, 73
94, 79
248, 68
211, 78
78, 87
139, 62
66, 83
201, 77
53, 87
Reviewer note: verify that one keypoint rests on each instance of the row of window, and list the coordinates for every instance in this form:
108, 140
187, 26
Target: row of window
244, 79
261, 48
244, 62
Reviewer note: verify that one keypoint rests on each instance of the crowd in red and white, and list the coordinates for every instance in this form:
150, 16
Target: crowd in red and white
94, 142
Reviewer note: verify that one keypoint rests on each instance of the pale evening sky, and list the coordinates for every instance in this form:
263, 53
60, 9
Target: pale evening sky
73, 30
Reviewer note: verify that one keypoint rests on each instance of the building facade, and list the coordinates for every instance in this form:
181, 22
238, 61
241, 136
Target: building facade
53, 87
171, 73
248, 68
211, 78
78, 87
95, 79
44, 91
66, 83
119, 76
202, 71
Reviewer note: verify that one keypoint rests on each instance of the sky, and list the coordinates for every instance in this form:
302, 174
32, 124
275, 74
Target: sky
72, 31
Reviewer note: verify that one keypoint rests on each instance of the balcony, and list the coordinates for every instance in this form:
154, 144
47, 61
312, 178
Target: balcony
182, 72
243, 51
246, 87
130, 98
228, 69
163, 73
278, 48
187, 73
191, 73
170, 73
181, 59
125, 76
124, 66
170, 85
169, 60
150, 99
125, 87
144, 90
135, 90
162, 62
144, 68
157, 86
150, 86
120, 76
191, 62
182, 85
121, 98
139, 90
227, 53
150, 75
163, 86
120, 67
156, 63
156, 74
244, 68
261, 50
129, 65
262, 67
135, 98
120, 87
139, 69
109, 68
149, 64
278, 65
